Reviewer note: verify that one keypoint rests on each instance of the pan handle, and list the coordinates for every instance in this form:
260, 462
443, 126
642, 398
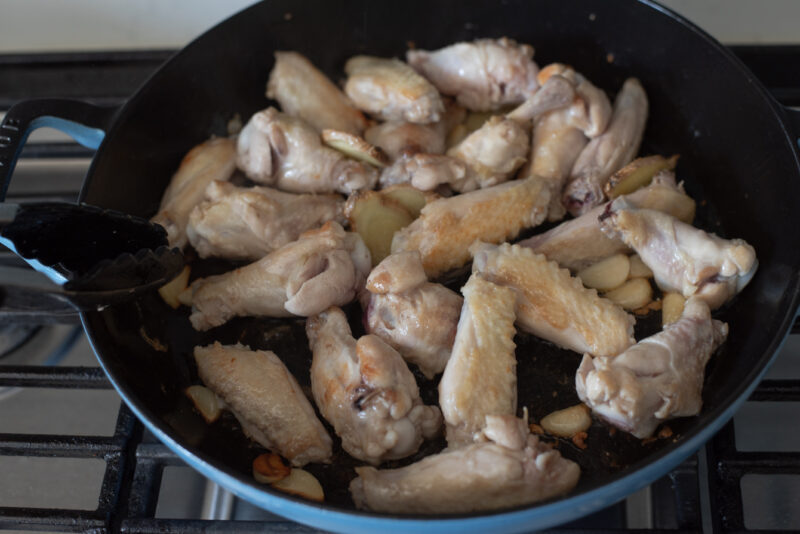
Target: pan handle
84, 122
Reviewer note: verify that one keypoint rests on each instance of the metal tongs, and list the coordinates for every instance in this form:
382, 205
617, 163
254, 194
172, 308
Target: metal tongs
90, 256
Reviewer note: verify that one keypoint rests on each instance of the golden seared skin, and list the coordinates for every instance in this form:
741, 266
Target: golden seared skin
554, 305
391, 90
659, 378
483, 75
305, 92
447, 227
608, 152
579, 242
247, 223
480, 378
266, 399
684, 259
510, 468
325, 267
207, 162
366, 391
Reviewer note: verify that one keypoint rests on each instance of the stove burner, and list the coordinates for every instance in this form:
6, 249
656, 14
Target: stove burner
13, 336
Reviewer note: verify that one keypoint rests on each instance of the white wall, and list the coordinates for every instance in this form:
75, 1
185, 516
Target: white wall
27, 25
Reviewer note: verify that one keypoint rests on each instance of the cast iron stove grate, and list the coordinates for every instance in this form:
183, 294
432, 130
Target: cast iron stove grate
680, 502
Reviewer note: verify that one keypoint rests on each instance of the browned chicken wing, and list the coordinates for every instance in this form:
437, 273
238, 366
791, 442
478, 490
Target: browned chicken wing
365, 390
266, 399
213, 160
248, 223
483, 75
305, 92
659, 378
511, 468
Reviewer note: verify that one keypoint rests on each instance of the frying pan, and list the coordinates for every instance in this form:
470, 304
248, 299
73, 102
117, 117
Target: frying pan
738, 157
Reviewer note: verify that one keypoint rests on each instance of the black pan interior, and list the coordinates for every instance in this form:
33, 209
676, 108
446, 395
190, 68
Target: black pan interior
736, 159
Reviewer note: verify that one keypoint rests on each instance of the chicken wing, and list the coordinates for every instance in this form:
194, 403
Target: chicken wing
213, 160
325, 267
266, 399
483, 75
579, 242
511, 468
480, 378
284, 151
591, 110
552, 304
683, 258
365, 390
391, 90
659, 378
400, 138
448, 226
426, 172
492, 153
608, 152
556, 93
415, 317
250, 222
305, 92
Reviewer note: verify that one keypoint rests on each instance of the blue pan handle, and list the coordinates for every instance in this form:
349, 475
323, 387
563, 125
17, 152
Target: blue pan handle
86, 123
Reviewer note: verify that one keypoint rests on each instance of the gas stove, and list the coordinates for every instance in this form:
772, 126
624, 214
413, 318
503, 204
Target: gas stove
74, 458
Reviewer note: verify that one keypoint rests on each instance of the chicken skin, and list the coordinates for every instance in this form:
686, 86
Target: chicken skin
580, 242
397, 139
483, 75
480, 378
510, 468
684, 259
266, 399
391, 90
492, 153
283, 151
248, 223
305, 92
558, 92
415, 317
609, 152
214, 160
659, 378
325, 267
447, 227
591, 110
426, 172
365, 390
553, 305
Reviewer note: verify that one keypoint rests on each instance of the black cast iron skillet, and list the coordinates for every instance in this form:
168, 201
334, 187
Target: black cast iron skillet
738, 158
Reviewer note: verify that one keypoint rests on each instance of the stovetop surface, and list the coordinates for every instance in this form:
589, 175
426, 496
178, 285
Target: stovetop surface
74, 458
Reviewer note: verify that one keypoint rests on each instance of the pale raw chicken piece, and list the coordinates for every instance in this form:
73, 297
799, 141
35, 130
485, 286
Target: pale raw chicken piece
480, 378
266, 399
609, 152
483, 75
580, 242
591, 111
365, 390
447, 227
426, 172
659, 378
511, 468
684, 259
553, 305
305, 92
399, 138
213, 160
414, 316
285, 152
391, 90
247, 223
492, 153
325, 267
556, 93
